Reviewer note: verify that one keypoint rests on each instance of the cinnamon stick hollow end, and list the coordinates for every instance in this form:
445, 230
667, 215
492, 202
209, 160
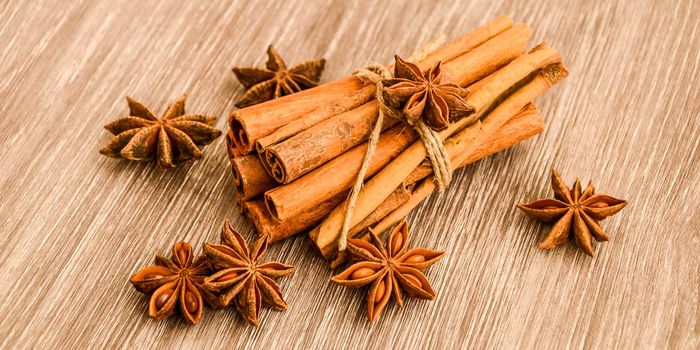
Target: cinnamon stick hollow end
239, 136
254, 122
231, 149
274, 166
250, 177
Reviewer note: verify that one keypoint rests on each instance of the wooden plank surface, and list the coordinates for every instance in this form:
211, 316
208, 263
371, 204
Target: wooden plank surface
75, 225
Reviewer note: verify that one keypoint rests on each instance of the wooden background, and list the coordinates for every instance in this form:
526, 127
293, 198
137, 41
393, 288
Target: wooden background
74, 225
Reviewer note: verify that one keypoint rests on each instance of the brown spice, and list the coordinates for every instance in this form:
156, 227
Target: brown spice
520, 82
264, 84
250, 177
241, 276
571, 208
340, 173
392, 269
426, 96
176, 283
171, 140
329, 140
526, 123
312, 106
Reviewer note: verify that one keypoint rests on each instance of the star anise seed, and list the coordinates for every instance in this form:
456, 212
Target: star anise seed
176, 283
391, 270
173, 139
425, 96
264, 84
571, 208
241, 276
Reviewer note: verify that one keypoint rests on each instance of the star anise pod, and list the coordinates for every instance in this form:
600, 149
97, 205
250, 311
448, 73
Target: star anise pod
572, 208
391, 271
276, 80
425, 96
241, 276
173, 139
176, 283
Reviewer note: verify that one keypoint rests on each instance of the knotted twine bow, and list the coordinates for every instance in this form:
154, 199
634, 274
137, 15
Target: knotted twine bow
435, 149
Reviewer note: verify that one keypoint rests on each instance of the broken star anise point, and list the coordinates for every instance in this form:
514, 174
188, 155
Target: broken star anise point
391, 269
175, 138
176, 283
575, 214
241, 277
276, 80
425, 96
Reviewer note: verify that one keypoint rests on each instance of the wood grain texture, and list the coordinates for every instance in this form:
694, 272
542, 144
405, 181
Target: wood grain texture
75, 225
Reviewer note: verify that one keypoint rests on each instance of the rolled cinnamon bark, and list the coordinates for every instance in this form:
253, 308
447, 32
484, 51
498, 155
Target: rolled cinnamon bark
339, 173
316, 116
400, 195
336, 175
254, 122
231, 149
250, 177
309, 149
505, 92
525, 124
341, 132
258, 215
277, 230
518, 128
521, 126
250, 123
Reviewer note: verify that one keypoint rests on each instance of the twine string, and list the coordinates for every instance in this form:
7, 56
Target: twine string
435, 149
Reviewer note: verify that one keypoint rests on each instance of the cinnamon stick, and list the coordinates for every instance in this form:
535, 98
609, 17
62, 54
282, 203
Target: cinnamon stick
515, 130
309, 149
250, 177
524, 124
277, 230
258, 215
528, 119
254, 122
231, 149
250, 123
529, 75
399, 196
338, 174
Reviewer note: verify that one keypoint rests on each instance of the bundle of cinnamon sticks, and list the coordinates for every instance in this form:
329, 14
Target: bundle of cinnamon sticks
295, 158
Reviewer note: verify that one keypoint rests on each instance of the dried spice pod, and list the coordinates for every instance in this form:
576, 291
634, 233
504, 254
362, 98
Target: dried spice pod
176, 138
425, 96
392, 269
275, 80
176, 283
575, 214
241, 278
